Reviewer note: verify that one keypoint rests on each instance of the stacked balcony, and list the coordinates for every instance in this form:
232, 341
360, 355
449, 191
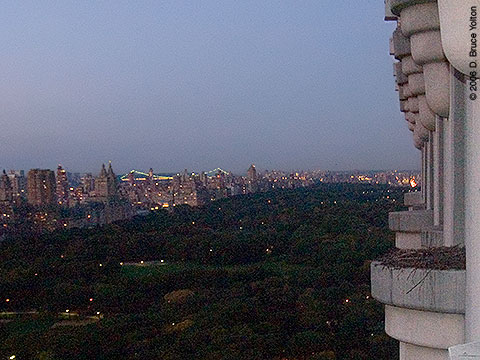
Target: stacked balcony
425, 305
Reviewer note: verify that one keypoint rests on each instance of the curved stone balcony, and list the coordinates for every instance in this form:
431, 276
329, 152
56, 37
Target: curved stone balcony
420, 289
423, 72
424, 308
398, 5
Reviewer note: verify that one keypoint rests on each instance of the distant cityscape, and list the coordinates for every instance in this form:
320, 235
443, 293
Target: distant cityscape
51, 201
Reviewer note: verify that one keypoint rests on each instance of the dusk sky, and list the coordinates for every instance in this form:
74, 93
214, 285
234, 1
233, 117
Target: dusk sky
286, 84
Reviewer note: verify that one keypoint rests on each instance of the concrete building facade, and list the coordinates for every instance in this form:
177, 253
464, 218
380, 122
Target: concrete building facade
435, 51
41, 187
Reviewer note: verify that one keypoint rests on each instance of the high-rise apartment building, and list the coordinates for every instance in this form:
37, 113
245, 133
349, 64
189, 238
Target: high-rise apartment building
62, 186
252, 179
88, 183
105, 184
41, 187
6, 190
252, 173
19, 184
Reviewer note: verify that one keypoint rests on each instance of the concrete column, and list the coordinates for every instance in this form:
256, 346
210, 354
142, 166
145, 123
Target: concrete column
472, 219
453, 195
424, 174
429, 173
437, 179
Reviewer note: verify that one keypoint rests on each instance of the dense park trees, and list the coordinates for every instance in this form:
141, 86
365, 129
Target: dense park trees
277, 275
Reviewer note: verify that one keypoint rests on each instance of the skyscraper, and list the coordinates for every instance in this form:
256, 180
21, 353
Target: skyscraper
252, 180
62, 186
106, 184
252, 173
19, 184
6, 190
41, 187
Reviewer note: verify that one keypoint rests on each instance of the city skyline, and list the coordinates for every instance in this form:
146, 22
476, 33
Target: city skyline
179, 170
283, 85
76, 200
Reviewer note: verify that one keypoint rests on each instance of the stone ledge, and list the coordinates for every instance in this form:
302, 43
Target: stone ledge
410, 221
420, 18
440, 291
398, 5
409, 351
424, 328
413, 198
401, 45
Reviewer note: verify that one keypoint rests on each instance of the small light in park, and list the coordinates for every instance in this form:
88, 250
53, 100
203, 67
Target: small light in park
7, 300
62, 256
12, 357
141, 262
121, 264
36, 274
347, 300
193, 222
367, 297
162, 261
100, 265
91, 299
98, 312
67, 311
173, 324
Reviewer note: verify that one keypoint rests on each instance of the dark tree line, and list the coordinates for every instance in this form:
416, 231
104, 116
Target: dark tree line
277, 275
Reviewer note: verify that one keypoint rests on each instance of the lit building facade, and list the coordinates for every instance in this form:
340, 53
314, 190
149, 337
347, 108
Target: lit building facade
62, 186
41, 187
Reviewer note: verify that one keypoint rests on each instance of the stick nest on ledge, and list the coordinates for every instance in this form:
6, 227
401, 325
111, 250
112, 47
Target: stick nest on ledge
440, 258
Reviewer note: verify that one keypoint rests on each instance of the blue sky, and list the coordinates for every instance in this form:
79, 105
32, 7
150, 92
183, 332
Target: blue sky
199, 84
